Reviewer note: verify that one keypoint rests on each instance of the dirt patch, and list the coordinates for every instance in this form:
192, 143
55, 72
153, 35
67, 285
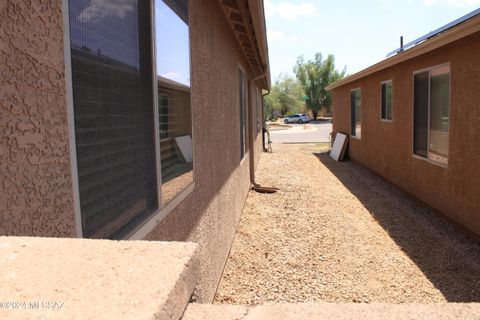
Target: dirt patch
338, 233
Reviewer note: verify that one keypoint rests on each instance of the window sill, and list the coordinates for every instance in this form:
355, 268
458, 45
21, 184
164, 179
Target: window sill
355, 137
143, 230
438, 164
387, 120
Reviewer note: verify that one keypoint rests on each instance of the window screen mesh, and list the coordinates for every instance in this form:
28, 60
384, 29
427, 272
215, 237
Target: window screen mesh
113, 110
420, 114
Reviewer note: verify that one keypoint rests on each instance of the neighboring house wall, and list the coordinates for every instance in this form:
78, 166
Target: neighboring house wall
387, 147
35, 186
36, 197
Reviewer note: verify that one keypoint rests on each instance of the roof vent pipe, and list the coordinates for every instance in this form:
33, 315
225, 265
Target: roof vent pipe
401, 44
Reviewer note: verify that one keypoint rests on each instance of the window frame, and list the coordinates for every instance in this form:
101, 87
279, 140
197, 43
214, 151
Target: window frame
390, 81
359, 89
429, 69
141, 230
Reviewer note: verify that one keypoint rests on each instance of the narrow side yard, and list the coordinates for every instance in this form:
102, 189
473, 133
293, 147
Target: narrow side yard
338, 233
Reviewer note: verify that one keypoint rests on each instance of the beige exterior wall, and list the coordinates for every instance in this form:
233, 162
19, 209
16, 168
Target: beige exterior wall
35, 185
209, 215
36, 197
387, 147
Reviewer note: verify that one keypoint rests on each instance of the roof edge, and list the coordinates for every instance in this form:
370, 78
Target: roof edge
259, 24
460, 31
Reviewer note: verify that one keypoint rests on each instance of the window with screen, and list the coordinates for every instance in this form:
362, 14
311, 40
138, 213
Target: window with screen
356, 112
387, 91
112, 80
432, 113
122, 182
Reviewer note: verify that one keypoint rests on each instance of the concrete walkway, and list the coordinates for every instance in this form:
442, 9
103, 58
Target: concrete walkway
338, 233
315, 131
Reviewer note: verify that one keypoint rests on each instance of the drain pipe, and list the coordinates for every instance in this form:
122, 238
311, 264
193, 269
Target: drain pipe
255, 186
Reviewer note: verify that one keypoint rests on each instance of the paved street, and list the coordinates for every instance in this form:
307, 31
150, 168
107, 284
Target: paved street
311, 132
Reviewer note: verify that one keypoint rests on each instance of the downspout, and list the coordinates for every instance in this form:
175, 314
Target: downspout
255, 186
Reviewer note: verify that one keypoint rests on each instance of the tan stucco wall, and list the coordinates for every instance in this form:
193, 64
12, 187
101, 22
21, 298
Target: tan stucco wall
36, 189
35, 185
209, 215
58, 278
386, 148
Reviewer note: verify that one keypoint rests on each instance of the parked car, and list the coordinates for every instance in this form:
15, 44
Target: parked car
296, 118
308, 118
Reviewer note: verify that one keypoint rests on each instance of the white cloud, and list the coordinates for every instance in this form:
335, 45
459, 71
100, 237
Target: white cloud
459, 3
290, 11
277, 36
172, 75
98, 9
273, 35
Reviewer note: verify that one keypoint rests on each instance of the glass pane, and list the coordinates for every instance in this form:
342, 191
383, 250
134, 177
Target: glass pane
384, 101
388, 101
420, 114
358, 114
439, 117
352, 112
356, 109
113, 108
174, 109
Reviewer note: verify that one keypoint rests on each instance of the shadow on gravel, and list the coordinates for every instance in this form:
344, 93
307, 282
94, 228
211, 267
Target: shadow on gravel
447, 257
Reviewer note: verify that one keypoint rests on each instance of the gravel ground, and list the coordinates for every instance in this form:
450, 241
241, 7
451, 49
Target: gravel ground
338, 233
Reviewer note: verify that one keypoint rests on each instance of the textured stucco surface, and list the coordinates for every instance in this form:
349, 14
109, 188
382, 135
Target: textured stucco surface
386, 147
35, 185
36, 190
95, 279
209, 215
335, 311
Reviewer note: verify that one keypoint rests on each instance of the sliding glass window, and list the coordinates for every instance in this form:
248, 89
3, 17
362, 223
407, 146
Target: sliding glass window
432, 113
174, 106
126, 148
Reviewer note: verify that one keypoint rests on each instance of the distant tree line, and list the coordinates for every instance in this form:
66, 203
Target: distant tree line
305, 92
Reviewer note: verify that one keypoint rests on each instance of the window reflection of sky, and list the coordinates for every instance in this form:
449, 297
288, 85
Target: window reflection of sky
110, 30
106, 29
172, 41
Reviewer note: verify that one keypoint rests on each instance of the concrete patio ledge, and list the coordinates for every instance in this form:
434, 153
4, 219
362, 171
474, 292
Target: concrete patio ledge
335, 311
53, 278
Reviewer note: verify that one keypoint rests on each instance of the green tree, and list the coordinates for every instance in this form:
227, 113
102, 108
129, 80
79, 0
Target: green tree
314, 75
272, 106
285, 97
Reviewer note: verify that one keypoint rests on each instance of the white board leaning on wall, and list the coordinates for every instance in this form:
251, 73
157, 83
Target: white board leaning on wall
184, 143
339, 146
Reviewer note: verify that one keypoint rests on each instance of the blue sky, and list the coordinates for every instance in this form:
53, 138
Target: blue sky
172, 41
359, 33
